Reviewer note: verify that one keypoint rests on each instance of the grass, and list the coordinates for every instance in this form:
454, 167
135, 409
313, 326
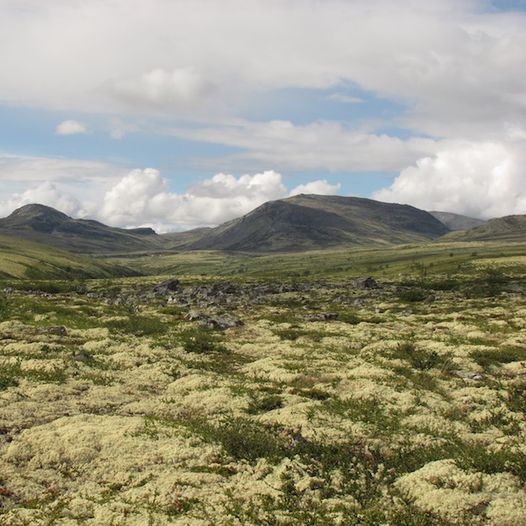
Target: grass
28, 260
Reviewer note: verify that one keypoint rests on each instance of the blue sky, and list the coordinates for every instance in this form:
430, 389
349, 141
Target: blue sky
31, 131
141, 105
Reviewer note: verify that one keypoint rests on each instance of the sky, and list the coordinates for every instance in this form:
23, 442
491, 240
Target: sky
177, 114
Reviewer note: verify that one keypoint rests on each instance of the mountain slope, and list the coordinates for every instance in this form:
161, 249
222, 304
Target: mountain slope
302, 222
312, 221
508, 228
20, 258
457, 221
47, 225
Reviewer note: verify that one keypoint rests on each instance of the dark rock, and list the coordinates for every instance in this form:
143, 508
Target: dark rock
57, 331
214, 322
169, 285
322, 316
430, 299
223, 323
82, 356
467, 375
365, 283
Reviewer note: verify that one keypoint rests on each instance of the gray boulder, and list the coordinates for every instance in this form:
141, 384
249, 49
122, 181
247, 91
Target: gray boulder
365, 283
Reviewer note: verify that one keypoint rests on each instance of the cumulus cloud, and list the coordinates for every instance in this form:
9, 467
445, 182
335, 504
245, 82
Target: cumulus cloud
142, 197
139, 197
159, 89
477, 179
70, 127
46, 194
320, 187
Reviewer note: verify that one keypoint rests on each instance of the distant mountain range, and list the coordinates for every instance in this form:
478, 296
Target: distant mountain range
508, 228
307, 222
456, 221
303, 222
47, 225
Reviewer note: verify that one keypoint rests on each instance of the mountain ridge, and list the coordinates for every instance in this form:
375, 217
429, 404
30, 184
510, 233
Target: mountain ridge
302, 222
457, 222
44, 224
310, 221
508, 228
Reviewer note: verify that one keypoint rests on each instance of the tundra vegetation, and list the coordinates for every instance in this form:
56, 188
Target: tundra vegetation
270, 390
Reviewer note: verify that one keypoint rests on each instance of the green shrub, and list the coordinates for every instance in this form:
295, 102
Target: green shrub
418, 358
265, 404
200, 341
51, 287
4, 307
504, 355
9, 375
138, 325
412, 295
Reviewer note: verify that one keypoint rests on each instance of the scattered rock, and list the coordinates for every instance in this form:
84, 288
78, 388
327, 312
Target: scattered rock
214, 322
467, 375
57, 331
322, 316
365, 283
82, 356
167, 286
430, 299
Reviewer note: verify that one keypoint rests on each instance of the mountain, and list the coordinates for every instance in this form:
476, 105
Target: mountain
508, 228
302, 222
47, 225
20, 258
457, 221
307, 222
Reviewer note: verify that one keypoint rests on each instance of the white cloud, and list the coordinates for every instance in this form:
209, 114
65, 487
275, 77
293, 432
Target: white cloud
118, 128
457, 65
477, 179
138, 197
158, 89
72, 177
27, 169
142, 197
316, 146
45, 194
343, 97
320, 187
70, 127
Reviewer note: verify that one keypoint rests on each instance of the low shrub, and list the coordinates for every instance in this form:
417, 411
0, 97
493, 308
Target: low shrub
200, 341
138, 325
418, 358
4, 307
412, 294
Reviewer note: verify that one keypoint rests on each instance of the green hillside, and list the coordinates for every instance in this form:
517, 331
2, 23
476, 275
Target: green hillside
20, 258
46, 225
307, 222
508, 228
